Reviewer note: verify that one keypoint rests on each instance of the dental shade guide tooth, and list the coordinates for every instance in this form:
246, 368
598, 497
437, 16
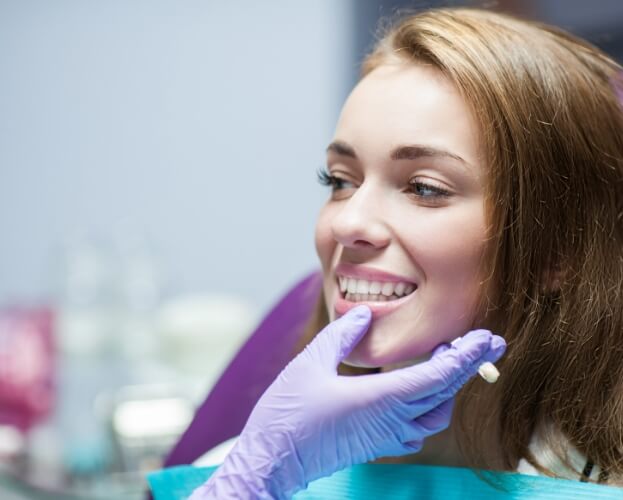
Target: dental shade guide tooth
489, 372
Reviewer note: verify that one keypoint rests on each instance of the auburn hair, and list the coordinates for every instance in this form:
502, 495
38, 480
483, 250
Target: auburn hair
551, 126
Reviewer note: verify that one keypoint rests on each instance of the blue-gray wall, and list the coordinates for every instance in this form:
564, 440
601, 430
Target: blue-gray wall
194, 125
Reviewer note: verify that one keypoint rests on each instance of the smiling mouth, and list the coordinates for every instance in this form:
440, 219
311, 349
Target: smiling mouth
361, 290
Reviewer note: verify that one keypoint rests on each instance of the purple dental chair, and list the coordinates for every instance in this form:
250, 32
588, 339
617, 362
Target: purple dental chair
269, 348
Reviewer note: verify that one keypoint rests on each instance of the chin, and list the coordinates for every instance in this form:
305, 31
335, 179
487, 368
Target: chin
374, 351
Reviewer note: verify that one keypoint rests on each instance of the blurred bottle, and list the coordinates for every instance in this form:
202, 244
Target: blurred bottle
138, 290
85, 300
87, 313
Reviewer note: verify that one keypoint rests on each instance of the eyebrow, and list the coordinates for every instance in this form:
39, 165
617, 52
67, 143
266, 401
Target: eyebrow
342, 149
407, 152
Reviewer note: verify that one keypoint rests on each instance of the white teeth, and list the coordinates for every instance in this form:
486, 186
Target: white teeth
360, 290
362, 286
387, 289
375, 287
363, 297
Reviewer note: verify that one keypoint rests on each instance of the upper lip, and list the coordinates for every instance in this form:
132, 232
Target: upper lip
369, 273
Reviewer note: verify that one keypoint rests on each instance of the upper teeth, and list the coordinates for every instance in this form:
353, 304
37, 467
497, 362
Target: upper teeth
365, 287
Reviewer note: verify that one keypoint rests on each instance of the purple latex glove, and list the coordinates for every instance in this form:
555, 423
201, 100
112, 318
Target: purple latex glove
312, 422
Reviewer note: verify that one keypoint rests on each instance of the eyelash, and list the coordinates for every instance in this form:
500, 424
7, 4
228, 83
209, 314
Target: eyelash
326, 179
337, 183
437, 191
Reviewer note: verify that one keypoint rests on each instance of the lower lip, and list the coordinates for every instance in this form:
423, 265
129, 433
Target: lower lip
379, 309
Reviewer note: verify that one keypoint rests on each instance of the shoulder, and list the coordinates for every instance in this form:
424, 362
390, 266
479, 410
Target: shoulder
556, 456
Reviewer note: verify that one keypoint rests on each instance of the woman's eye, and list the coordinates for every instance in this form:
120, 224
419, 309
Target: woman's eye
428, 190
336, 183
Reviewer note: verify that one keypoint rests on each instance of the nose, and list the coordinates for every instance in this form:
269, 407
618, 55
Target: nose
361, 221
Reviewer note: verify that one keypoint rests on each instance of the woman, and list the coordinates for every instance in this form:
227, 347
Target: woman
476, 182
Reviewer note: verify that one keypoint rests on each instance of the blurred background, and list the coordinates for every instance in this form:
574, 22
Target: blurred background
157, 195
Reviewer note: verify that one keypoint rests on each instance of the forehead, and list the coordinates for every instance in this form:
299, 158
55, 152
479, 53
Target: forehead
406, 103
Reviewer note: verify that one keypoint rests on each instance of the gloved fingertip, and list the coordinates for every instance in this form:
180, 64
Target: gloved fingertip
441, 348
474, 337
474, 345
498, 345
348, 331
413, 446
360, 313
481, 333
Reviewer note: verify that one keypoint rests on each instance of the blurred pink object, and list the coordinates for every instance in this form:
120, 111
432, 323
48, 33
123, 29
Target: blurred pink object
26, 366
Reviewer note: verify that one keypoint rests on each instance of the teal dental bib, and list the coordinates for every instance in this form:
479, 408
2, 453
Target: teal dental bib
402, 482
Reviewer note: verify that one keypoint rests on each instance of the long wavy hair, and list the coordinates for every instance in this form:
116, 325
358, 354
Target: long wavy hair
551, 127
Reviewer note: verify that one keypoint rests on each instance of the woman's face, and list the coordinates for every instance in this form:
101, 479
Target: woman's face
404, 228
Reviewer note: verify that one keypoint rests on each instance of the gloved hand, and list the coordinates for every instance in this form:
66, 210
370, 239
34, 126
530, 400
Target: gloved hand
312, 422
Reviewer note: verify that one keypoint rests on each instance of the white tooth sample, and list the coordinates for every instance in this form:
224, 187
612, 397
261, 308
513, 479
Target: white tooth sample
356, 297
342, 282
375, 287
352, 285
400, 289
489, 372
387, 289
382, 298
374, 297
362, 286
409, 289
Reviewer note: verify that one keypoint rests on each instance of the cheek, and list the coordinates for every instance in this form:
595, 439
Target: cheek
455, 262
325, 243
451, 252
453, 269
